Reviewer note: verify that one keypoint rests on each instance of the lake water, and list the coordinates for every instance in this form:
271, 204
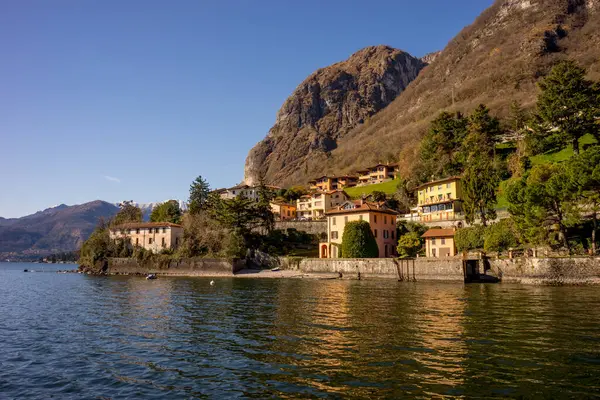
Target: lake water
74, 336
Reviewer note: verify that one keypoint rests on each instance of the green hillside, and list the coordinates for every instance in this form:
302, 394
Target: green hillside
553, 157
385, 187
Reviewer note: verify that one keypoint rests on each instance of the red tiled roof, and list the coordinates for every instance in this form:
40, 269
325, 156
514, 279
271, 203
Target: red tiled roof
140, 225
439, 233
360, 207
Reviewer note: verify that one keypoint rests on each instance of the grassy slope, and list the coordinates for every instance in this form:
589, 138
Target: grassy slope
385, 187
555, 157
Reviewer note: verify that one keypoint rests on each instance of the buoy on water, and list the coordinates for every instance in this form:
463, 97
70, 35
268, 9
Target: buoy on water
151, 276
212, 283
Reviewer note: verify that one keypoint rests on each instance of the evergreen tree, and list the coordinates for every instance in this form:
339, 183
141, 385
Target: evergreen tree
199, 191
480, 184
358, 241
480, 178
166, 212
568, 105
584, 174
263, 209
439, 152
544, 198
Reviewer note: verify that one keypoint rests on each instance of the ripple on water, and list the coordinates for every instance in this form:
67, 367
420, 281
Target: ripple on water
73, 336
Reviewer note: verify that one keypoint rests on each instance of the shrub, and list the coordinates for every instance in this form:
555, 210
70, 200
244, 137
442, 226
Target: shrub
358, 241
471, 238
409, 245
500, 236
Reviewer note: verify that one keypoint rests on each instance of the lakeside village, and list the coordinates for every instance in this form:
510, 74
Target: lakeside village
526, 185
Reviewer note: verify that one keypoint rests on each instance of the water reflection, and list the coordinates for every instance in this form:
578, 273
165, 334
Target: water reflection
125, 337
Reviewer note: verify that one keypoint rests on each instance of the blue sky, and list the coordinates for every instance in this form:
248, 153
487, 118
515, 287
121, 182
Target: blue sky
118, 100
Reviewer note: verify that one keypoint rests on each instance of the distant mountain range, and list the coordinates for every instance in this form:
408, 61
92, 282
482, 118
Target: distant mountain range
57, 229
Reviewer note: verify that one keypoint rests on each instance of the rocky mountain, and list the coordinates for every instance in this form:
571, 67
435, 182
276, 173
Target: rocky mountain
430, 57
56, 229
325, 107
496, 60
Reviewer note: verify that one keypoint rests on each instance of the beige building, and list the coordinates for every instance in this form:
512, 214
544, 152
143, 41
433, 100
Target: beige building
329, 183
439, 243
250, 192
440, 200
283, 211
315, 205
381, 219
377, 174
153, 236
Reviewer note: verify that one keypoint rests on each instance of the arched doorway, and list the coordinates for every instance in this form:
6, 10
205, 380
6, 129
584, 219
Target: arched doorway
323, 251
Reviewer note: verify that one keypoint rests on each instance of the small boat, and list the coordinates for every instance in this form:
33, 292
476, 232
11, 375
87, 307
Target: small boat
151, 276
275, 269
25, 270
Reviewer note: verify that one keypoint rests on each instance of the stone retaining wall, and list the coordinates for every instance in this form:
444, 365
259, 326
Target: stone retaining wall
312, 227
555, 271
420, 269
183, 267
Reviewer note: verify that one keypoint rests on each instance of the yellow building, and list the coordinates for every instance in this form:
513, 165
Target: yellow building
283, 211
315, 205
377, 174
381, 219
439, 243
328, 183
440, 200
153, 236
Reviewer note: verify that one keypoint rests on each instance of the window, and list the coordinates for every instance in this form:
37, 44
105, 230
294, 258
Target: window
393, 233
443, 240
137, 241
333, 221
150, 230
233, 192
334, 235
360, 217
433, 253
385, 234
432, 240
164, 243
375, 233
137, 231
439, 187
345, 220
149, 240
164, 230
449, 195
448, 185
176, 241
375, 218
439, 196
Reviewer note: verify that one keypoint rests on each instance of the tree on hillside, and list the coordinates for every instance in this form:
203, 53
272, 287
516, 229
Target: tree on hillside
168, 211
568, 105
584, 173
358, 241
480, 178
199, 191
439, 150
262, 208
542, 199
480, 184
127, 213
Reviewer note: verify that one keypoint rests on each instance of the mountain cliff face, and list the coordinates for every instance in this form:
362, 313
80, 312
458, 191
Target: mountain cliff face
496, 60
56, 229
324, 107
